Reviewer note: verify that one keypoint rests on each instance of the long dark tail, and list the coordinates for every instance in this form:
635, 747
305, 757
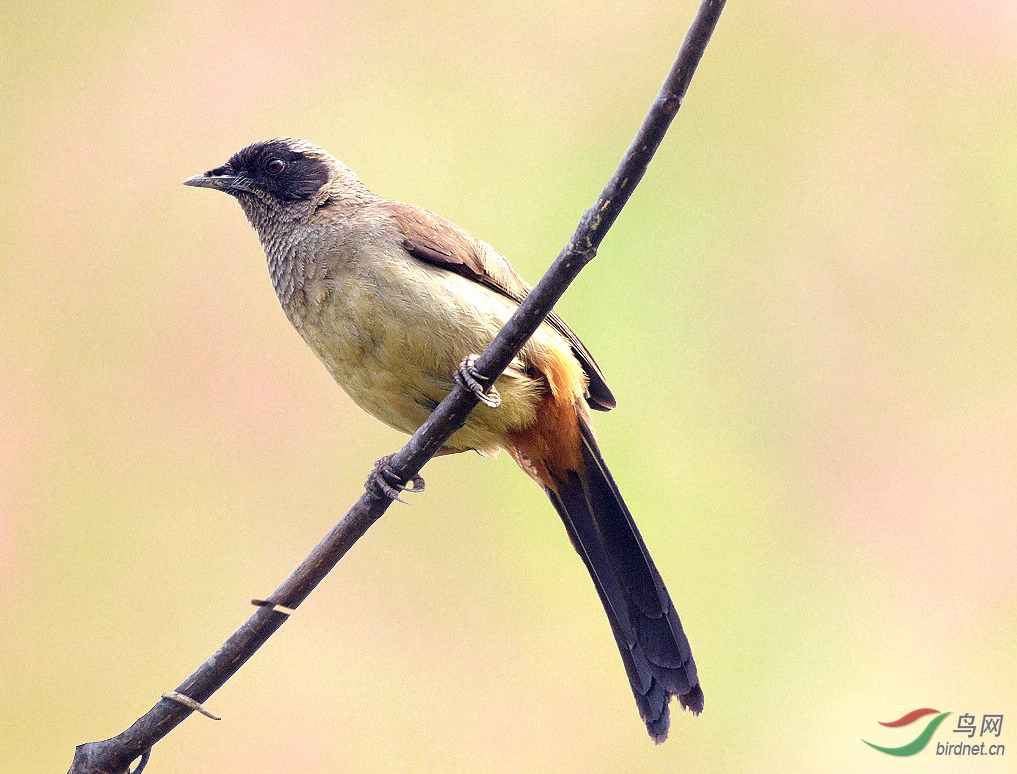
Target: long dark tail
656, 652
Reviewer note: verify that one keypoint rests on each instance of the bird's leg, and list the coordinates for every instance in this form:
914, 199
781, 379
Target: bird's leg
467, 375
382, 481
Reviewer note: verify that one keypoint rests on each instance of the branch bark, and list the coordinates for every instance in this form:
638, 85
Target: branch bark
115, 755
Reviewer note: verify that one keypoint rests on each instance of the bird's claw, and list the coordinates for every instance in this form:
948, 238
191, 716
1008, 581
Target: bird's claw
467, 375
383, 482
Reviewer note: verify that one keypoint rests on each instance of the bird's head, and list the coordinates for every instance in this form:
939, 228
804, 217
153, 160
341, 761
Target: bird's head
284, 175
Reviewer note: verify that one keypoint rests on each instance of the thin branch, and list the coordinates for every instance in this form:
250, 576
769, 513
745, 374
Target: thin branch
114, 755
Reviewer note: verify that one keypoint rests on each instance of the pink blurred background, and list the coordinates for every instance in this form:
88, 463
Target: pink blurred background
808, 314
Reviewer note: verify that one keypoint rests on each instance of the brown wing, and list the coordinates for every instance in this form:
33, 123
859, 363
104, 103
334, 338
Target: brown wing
440, 242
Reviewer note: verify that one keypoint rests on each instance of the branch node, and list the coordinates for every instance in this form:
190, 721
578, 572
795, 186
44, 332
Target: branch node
142, 762
275, 607
190, 703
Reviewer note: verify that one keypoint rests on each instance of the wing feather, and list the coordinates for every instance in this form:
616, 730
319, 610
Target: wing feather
438, 241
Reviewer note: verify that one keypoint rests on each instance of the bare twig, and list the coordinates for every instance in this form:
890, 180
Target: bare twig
115, 755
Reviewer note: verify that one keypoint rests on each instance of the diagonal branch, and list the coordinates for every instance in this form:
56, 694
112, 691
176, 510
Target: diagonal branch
114, 755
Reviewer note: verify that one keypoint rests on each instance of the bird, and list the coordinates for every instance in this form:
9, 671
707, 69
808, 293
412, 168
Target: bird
396, 302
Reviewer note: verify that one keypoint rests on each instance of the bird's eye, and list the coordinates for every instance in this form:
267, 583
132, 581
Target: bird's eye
275, 166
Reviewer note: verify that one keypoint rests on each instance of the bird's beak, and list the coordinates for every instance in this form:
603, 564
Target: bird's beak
220, 179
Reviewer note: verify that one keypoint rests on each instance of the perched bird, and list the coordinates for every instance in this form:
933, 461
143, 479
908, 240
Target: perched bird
394, 300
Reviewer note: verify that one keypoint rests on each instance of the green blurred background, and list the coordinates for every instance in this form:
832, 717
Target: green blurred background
807, 312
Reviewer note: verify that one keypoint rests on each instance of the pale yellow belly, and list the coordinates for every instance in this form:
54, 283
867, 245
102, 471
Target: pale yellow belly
394, 348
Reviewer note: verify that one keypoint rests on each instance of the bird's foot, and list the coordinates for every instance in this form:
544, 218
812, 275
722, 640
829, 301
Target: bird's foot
384, 482
467, 375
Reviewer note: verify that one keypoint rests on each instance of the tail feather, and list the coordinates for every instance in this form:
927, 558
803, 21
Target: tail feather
653, 645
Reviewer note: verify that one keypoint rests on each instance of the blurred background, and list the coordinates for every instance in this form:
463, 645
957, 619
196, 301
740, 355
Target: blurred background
807, 312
